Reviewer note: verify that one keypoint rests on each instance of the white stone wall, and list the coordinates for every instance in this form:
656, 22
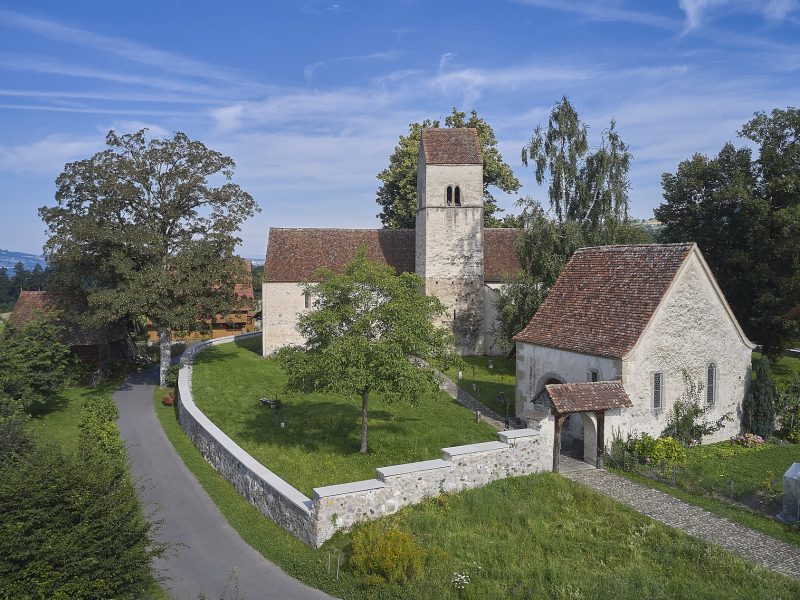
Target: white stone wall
449, 248
282, 304
519, 452
690, 329
490, 343
538, 364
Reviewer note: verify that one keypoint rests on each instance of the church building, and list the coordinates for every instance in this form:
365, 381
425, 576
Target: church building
462, 263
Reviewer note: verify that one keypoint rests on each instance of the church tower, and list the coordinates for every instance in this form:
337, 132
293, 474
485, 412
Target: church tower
449, 229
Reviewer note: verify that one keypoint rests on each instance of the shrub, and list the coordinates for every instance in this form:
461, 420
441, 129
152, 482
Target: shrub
758, 408
661, 452
171, 378
72, 526
686, 420
380, 554
789, 411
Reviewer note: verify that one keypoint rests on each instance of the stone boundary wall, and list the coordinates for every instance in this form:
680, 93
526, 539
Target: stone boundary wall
335, 507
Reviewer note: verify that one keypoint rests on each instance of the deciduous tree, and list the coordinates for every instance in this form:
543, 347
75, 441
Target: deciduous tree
366, 326
397, 195
148, 227
744, 214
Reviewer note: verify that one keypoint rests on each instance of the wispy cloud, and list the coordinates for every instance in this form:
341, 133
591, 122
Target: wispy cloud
47, 155
312, 68
604, 11
131, 51
699, 11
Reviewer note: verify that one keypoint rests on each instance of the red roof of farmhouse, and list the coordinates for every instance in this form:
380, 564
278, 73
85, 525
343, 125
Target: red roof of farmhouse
604, 298
30, 305
451, 146
580, 397
34, 304
294, 255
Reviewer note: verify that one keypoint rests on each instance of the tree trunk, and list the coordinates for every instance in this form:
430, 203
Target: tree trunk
165, 350
364, 399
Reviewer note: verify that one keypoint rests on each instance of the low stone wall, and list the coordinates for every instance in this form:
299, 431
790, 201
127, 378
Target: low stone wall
462, 467
335, 507
266, 491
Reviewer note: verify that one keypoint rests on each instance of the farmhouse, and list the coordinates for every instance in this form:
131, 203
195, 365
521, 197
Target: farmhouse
96, 346
644, 317
461, 262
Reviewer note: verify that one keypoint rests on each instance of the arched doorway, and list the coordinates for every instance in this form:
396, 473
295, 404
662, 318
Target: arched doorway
579, 438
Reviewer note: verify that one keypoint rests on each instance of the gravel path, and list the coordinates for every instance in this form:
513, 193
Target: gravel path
207, 549
751, 545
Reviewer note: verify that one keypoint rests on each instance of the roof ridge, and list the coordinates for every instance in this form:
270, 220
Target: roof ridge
650, 245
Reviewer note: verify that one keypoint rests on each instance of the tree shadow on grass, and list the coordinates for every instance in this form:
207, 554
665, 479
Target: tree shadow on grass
253, 344
319, 426
55, 403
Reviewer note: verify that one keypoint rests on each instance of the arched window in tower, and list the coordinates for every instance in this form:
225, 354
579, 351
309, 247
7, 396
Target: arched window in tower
458, 196
449, 195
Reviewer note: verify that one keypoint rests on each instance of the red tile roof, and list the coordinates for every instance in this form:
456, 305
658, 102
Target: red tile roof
580, 397
604, 298
31, 305
294, 255
500, 260
451, 146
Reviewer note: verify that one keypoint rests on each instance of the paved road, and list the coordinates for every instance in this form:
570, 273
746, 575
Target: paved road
210, 549
751, 545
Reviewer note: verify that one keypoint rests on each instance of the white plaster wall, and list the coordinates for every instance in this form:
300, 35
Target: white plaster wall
688, 331
490, 343
282, 304
537, 364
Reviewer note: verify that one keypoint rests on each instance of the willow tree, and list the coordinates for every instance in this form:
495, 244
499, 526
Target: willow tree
584, 185
140, 229
367, 328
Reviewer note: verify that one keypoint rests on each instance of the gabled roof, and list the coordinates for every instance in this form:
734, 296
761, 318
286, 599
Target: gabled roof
293, 255
605, 297
581, 397
500, 260
451, 146
31, 305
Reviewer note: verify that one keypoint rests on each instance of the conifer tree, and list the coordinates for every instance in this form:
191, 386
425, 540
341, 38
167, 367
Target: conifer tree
758, 408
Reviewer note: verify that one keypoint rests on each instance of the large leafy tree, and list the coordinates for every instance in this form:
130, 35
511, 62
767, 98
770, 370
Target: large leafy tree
744, 214
366, 326
140, 229
397, 195
588, 194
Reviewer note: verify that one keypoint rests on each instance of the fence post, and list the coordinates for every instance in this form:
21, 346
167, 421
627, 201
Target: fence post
674, 479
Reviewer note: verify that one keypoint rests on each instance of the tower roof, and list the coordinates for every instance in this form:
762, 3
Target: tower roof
451, 146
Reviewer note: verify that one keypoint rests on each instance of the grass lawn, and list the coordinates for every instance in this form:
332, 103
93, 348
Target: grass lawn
781, 371
58, 421
540, 536
489, 382
321, 436
755, 472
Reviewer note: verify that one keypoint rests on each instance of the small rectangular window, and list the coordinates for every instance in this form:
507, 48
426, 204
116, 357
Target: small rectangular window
711, 384
594, 375
307, 299
658, 391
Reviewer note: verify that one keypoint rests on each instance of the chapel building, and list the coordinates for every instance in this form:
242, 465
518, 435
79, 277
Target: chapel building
461, 263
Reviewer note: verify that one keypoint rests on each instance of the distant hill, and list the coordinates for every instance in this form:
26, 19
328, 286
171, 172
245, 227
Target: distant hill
8, 259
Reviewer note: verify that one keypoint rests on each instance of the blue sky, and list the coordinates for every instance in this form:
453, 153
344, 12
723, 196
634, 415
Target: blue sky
310, 97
